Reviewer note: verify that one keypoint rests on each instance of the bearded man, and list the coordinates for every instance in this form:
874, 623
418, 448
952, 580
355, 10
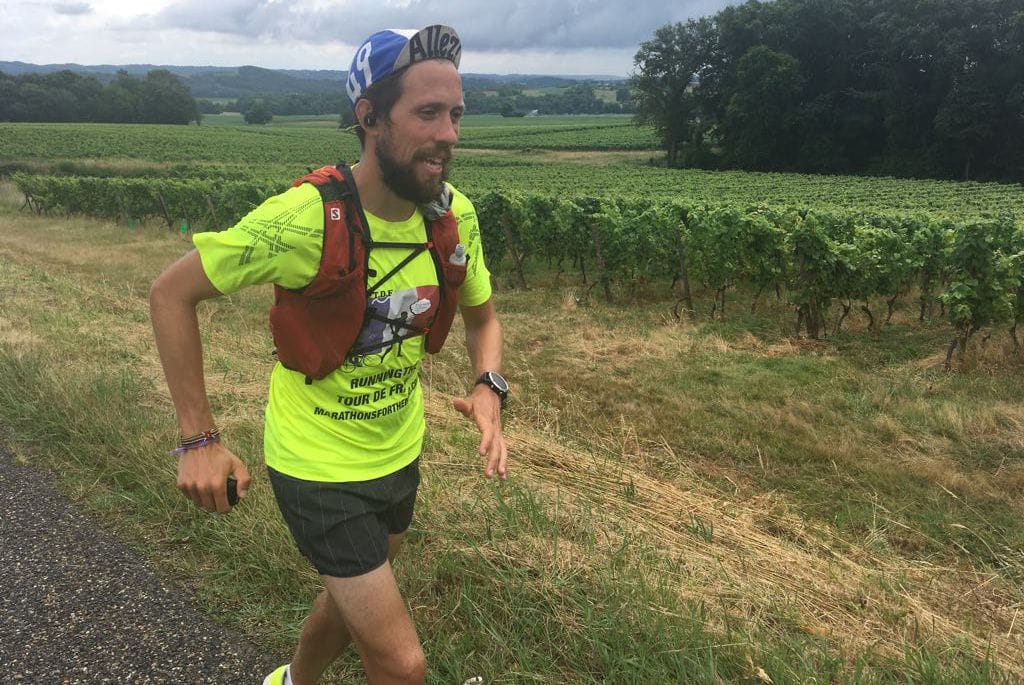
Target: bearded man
369, 265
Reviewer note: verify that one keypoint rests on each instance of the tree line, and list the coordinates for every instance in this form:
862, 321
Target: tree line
931, 88
158, 98
579, 98
510, 100
281, 105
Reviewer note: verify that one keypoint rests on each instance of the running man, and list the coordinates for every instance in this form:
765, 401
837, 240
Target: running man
368, 264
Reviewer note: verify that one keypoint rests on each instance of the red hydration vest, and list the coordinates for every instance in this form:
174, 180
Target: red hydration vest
315, 327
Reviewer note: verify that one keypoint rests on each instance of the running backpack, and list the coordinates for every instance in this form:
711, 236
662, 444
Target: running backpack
315, 327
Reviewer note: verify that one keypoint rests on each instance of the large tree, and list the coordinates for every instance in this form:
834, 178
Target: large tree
667, 86
909, 87
761, 127
166, 100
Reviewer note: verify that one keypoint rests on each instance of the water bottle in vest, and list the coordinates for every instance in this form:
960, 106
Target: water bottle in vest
458, 257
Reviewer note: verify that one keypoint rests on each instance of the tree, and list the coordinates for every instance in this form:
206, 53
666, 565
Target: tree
166, 100
667, 86
258, 113
965, 124
906, 87
347, 118
8, 97
761, 125
509, 110
123, 97
209, 107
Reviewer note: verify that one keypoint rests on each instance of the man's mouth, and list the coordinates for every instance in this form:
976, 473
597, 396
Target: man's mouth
436, 162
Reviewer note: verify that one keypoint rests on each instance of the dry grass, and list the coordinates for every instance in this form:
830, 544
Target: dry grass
100, 166
17, 337
760, 553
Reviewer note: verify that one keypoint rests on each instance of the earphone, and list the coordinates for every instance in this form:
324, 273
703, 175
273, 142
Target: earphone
370, 120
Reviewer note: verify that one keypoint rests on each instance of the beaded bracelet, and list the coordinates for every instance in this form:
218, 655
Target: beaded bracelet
196, 441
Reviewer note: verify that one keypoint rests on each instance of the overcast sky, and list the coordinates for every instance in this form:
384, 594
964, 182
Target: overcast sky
523, 36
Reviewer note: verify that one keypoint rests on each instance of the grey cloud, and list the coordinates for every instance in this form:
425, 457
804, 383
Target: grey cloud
536, 24
237, 17
484, 27
72, 8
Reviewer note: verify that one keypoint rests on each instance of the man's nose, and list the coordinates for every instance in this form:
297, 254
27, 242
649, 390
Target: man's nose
449, 131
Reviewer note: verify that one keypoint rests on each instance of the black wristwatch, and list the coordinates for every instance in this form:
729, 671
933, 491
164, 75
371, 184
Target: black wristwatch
496, 382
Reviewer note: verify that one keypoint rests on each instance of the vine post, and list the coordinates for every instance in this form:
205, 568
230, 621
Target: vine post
602, 271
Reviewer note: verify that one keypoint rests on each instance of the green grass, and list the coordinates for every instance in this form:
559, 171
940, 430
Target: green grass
689, 502
326, 121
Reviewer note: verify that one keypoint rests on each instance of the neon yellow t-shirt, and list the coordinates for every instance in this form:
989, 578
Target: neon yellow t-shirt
365, 420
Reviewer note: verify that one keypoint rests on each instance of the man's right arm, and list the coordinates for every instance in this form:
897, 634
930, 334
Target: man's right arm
202, 472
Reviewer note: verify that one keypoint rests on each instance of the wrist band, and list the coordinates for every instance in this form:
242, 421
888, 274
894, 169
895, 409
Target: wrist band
196, 441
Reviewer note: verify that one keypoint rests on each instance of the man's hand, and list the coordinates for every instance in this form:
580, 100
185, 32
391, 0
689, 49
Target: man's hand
203, 476
484, 407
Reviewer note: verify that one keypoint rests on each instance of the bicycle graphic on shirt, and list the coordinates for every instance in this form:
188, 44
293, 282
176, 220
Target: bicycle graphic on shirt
392, 319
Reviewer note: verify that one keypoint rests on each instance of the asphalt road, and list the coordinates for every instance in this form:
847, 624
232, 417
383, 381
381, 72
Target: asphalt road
78, 606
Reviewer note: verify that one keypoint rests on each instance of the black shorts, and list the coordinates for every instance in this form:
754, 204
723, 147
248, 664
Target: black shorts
343, 528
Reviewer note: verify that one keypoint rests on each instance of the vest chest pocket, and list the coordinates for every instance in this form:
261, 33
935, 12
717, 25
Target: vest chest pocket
454, 274
314, 333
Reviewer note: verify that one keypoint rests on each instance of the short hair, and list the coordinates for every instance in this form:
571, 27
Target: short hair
382, 96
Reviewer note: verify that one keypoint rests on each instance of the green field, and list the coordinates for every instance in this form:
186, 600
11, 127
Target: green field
329, 121
555, 132
696, 500
537, 158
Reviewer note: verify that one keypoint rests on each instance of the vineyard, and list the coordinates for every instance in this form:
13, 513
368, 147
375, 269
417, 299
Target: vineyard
831, 245
973, 268
261, 145
250, 146
620, 135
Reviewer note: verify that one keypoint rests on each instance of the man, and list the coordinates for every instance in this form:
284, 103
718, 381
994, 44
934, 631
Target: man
342, 444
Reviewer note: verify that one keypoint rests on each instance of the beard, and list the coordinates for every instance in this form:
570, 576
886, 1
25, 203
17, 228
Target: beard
401, 178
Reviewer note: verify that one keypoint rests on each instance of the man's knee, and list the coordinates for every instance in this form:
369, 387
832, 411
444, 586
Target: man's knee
409, 666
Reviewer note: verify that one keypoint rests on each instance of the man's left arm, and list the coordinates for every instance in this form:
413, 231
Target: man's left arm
483, 405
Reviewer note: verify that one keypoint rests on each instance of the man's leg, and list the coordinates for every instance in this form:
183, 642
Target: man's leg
379, 625
324, 634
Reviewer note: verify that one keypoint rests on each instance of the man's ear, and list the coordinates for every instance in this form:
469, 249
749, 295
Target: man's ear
365, 116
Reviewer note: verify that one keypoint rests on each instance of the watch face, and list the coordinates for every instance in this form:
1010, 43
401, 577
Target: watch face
498, 381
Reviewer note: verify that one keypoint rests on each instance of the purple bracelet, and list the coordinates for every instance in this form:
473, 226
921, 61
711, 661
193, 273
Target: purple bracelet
196, 444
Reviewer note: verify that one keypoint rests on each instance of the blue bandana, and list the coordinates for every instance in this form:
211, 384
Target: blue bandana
387, 51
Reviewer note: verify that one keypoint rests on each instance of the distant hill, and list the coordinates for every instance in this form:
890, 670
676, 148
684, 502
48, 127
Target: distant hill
207, 81
234, 82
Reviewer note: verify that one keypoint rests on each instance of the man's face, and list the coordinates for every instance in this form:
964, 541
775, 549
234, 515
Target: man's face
415, 144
